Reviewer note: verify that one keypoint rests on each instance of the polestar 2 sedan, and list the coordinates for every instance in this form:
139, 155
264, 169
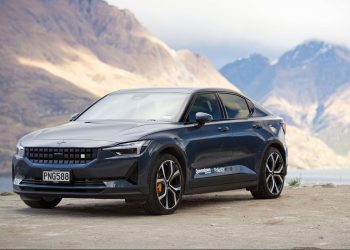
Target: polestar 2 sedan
154, 146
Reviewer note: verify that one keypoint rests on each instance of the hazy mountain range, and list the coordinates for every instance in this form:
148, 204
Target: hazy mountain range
58, 56
310, 87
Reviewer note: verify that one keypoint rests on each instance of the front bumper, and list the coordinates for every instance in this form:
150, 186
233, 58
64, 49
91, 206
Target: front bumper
106, 176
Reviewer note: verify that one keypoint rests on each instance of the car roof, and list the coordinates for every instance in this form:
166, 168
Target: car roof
189, 90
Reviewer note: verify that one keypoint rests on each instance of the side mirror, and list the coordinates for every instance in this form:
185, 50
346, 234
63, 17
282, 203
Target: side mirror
203, 118
72, 118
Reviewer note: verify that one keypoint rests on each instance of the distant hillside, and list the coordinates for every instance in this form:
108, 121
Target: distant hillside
57, 56
310, 87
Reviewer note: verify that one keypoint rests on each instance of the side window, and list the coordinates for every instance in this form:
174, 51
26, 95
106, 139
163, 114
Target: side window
206, 103
236, 106
259, 113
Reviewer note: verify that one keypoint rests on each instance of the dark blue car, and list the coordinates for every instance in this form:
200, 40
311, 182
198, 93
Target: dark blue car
154, 146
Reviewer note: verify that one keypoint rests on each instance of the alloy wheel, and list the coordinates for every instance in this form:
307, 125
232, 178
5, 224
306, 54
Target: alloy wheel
168, 184
274, 173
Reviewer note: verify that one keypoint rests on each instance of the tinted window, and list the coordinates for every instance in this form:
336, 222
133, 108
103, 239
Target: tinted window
259, 113
236, 106
206, 103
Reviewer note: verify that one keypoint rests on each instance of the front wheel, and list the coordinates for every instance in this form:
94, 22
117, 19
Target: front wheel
43, 202
271, 178
166, 186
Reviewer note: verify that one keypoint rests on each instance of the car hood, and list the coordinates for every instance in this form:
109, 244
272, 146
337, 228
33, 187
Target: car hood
92, 134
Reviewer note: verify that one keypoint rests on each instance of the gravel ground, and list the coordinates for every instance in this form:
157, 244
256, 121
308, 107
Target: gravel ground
317, 217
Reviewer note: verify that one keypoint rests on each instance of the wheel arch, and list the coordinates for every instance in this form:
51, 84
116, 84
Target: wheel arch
178, 154
273, 144
280, 148
174, 149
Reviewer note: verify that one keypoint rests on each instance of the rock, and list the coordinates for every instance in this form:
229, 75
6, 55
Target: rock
6, 193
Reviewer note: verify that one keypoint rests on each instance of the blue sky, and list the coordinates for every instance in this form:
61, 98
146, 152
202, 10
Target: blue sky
225, 30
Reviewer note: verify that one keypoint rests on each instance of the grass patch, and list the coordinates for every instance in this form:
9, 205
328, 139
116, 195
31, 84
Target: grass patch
295, 182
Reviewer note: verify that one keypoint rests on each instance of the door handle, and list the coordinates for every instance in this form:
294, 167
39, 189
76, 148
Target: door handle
257, 125
223, 129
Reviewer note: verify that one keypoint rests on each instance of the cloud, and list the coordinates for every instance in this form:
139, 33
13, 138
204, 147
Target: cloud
277, 24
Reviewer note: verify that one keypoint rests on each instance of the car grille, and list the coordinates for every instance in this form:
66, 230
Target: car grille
61, 155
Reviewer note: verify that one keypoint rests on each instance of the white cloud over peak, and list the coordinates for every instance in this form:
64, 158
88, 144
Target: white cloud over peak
270, 25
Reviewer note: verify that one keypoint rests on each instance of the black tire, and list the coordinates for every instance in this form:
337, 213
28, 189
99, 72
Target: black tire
44, 202
271, 179
154, 203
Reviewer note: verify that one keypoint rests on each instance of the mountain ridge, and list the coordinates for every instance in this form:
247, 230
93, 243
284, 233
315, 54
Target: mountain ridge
60, 56
309, 87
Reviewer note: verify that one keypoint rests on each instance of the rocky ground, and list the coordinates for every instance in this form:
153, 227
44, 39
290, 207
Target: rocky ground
317, 217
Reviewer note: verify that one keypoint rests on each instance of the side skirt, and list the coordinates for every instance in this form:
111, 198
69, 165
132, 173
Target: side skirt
224, 187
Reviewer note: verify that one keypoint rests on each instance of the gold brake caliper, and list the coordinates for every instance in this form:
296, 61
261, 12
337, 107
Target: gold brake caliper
159, 186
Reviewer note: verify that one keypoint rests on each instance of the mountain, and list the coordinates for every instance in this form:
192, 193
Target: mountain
310, 87
57, 57
244, 71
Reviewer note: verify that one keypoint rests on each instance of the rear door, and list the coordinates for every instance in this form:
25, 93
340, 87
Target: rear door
245, 142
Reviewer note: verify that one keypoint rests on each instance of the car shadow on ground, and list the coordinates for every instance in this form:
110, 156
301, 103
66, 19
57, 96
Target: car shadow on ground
205, 200
113, 208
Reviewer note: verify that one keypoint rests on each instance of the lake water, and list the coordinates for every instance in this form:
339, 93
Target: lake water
321, 176
5, 183
307, 176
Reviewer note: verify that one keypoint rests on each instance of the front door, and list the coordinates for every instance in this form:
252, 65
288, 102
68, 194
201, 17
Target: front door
207, 146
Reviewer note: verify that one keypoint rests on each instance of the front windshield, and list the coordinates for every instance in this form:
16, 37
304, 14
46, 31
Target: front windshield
136, 106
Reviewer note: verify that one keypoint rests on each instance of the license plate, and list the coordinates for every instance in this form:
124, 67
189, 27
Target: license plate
56, 176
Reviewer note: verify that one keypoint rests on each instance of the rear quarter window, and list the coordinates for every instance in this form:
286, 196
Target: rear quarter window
258, 110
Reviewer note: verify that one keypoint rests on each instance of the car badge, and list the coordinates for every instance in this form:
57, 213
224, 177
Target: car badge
60, 142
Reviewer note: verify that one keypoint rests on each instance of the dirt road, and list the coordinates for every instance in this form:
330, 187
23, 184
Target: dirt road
304, 217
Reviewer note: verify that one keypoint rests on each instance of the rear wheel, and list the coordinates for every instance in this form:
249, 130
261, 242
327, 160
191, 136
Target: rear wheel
272, 173
43, 202
166, 186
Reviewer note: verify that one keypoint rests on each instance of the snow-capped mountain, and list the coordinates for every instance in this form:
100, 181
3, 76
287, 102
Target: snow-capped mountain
309, 86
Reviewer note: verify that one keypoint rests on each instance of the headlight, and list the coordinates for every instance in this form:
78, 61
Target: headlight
19, 150
129, 148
